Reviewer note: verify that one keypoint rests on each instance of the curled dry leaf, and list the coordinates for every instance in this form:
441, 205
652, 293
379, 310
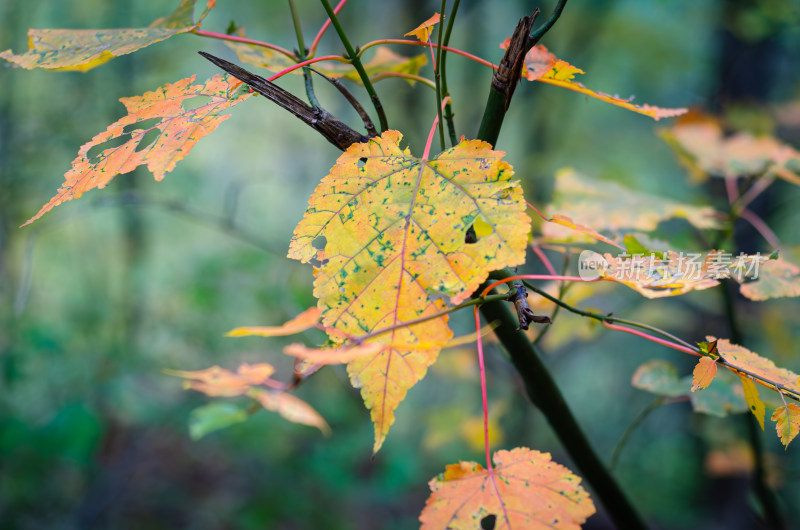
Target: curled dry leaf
305, 320
424, 30
525, 489
290, 407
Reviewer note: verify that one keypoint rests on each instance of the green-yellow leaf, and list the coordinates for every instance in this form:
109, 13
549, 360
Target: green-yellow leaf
388, 231
603, 205
384, 61
83, 49
753, 401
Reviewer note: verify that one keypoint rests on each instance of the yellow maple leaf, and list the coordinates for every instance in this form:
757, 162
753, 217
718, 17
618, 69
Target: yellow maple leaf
173, 131
392, 229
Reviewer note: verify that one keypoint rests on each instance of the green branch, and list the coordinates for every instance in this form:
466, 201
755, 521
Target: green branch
302, 55
442, 62
354, 57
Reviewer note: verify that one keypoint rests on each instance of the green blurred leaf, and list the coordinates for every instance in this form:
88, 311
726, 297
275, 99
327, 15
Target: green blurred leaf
213, 417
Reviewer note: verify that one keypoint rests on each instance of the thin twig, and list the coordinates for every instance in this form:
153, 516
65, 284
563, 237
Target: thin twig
368, 125
537, 35
448, 110
302, 55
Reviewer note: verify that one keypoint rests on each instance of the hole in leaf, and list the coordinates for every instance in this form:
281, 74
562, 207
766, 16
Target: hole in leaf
488, 522
319, 243
95, 152
362, 161
141, 125
195, 102
471, 237
148, 138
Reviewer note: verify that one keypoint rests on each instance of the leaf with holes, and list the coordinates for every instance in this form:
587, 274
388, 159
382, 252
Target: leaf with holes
160, 129
524, 489
83, 49
787, 422
388, 231
541, 65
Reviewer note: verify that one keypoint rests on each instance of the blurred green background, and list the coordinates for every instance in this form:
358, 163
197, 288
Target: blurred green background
103, 293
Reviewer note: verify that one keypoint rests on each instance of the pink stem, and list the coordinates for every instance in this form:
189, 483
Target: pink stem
541, 255
652, 338
306, 63
234, 38
483, 390
324, 28
535, 209
537, 277
417, 43
732, 190
762, 227
430, 138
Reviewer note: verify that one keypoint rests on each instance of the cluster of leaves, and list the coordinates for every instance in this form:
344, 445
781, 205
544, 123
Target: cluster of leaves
398, 242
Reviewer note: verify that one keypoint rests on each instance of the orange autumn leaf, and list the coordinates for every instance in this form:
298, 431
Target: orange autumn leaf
742, 358
525, 489
290, 407
424, 30
391, 230
703, 373
787, 422
83, 49
543, 66
216, 381
305, 320
158, 131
